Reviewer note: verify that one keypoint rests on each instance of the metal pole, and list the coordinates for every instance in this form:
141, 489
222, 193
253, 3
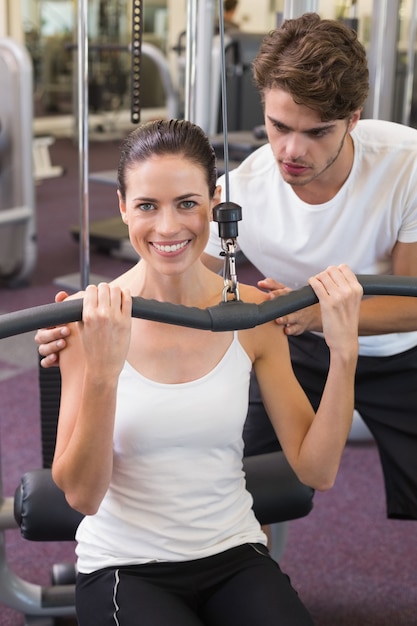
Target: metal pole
409, 80
203, 60
82, 92
190, 55
295, 8
382, 56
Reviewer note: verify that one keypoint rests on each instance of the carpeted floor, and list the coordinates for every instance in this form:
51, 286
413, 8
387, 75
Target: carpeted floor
351, 565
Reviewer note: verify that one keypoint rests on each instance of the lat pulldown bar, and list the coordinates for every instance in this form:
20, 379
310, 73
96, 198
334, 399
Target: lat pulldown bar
233, 315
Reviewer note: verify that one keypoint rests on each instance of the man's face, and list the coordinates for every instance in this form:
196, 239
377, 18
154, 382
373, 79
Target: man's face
306, 148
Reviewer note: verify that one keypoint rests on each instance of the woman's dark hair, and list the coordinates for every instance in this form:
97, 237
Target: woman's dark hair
319, 62
162, 137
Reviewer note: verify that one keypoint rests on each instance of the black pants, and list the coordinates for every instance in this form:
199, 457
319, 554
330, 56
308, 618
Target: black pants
239, 587
386, 398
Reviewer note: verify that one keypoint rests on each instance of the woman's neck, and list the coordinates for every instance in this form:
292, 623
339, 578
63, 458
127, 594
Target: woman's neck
197, 287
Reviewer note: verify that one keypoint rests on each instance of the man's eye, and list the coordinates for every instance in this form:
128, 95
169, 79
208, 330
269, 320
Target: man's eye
320, 132
280, 129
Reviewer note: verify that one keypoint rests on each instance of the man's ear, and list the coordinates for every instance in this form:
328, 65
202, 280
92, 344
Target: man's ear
122, 207
354, 120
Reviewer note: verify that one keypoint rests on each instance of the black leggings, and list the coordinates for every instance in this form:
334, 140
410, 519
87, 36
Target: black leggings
242, 586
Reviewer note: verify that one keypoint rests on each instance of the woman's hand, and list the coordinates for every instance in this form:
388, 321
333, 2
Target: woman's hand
105, 328
340, 295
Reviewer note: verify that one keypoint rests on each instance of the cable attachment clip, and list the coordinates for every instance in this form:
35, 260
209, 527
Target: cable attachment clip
227, 215
229, 270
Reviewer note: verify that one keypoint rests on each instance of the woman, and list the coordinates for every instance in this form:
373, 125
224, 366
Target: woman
149, 444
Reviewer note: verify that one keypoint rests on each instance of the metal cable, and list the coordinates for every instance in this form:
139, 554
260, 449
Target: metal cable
82, 75
224, 102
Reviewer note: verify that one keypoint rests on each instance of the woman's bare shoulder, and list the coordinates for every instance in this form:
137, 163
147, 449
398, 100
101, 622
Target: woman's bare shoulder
264, 339
249, 293
126, 280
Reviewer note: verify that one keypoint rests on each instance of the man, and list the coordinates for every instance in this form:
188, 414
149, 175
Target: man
331, 188
327, 188
229, 11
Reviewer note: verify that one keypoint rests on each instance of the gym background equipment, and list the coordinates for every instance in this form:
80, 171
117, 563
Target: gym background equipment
17, 197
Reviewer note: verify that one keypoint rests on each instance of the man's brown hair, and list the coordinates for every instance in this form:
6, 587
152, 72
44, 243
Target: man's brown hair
320, 62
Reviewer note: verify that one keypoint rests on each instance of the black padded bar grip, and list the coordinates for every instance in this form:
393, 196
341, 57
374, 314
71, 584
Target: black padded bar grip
233, 315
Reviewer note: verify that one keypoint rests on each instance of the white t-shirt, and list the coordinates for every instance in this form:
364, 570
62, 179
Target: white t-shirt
290, 240
178, 491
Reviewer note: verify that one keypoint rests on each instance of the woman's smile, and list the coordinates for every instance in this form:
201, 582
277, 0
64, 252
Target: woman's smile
170, 248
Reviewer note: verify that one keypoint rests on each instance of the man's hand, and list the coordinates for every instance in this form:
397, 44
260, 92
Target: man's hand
273, 287
52, 340
297, 322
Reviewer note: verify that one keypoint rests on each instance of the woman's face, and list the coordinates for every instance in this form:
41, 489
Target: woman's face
168, 210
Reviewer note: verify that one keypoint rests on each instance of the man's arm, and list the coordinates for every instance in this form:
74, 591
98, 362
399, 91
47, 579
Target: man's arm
379, 314
390, 314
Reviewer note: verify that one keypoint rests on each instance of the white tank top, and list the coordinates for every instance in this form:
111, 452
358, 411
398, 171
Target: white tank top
178, 490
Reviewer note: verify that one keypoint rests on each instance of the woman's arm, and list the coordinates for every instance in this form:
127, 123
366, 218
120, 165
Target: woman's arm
90, 368
313, 443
